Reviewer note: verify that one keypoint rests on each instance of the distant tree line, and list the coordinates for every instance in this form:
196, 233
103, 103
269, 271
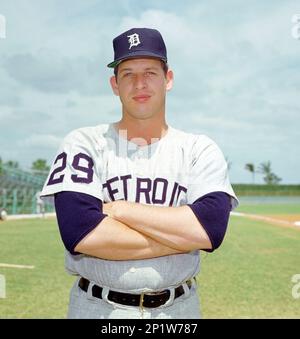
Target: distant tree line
38, 167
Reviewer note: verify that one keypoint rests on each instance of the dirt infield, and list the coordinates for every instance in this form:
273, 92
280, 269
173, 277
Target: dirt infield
286, 220
287, 217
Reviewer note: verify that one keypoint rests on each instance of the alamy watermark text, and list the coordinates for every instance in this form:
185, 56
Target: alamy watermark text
296, 287
2, 287
2, 27
296, 26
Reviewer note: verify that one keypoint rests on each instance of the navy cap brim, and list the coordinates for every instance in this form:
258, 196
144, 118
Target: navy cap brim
136, 55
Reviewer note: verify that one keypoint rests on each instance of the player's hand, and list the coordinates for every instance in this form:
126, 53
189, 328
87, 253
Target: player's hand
113, 207
116, 209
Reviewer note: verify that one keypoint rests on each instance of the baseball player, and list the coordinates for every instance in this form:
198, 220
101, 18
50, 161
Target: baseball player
137, 199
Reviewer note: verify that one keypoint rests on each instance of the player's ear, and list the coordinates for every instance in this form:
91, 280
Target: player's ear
114, 85
170, 79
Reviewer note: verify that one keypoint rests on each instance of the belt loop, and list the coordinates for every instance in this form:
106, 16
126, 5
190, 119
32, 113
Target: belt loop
186, 289
89, 292
170, 301
105, 291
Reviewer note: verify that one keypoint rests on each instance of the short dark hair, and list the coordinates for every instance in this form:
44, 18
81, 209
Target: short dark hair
164, 66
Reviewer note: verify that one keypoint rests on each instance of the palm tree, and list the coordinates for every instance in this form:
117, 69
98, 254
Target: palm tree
270, 178
251, 168
12, 164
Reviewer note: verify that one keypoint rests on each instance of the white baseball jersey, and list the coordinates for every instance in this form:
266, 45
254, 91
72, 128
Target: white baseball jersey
175, 170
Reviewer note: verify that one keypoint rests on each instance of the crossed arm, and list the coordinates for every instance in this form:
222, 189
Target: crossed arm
138, 231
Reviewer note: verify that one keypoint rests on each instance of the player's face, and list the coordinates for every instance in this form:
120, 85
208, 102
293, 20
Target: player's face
141, 85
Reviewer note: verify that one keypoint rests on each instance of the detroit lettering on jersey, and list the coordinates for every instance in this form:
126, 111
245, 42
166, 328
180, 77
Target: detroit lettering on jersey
147, 190
171, 171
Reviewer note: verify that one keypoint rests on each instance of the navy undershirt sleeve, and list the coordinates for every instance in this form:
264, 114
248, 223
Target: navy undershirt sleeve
77, 215
212, 210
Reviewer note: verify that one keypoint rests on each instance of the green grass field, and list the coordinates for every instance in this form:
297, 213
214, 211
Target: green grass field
43, 291
265, 209
248, 277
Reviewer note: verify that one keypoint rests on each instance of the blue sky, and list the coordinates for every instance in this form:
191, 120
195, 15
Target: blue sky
236, 65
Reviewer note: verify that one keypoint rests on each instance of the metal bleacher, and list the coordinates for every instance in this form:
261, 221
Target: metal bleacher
19, 189
17, 178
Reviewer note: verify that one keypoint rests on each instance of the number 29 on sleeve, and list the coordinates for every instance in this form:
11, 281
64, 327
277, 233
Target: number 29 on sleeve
81, 163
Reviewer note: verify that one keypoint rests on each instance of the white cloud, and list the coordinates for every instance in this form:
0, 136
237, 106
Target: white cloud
40, 141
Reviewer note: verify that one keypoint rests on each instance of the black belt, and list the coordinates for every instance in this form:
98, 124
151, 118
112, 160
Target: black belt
146, 300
